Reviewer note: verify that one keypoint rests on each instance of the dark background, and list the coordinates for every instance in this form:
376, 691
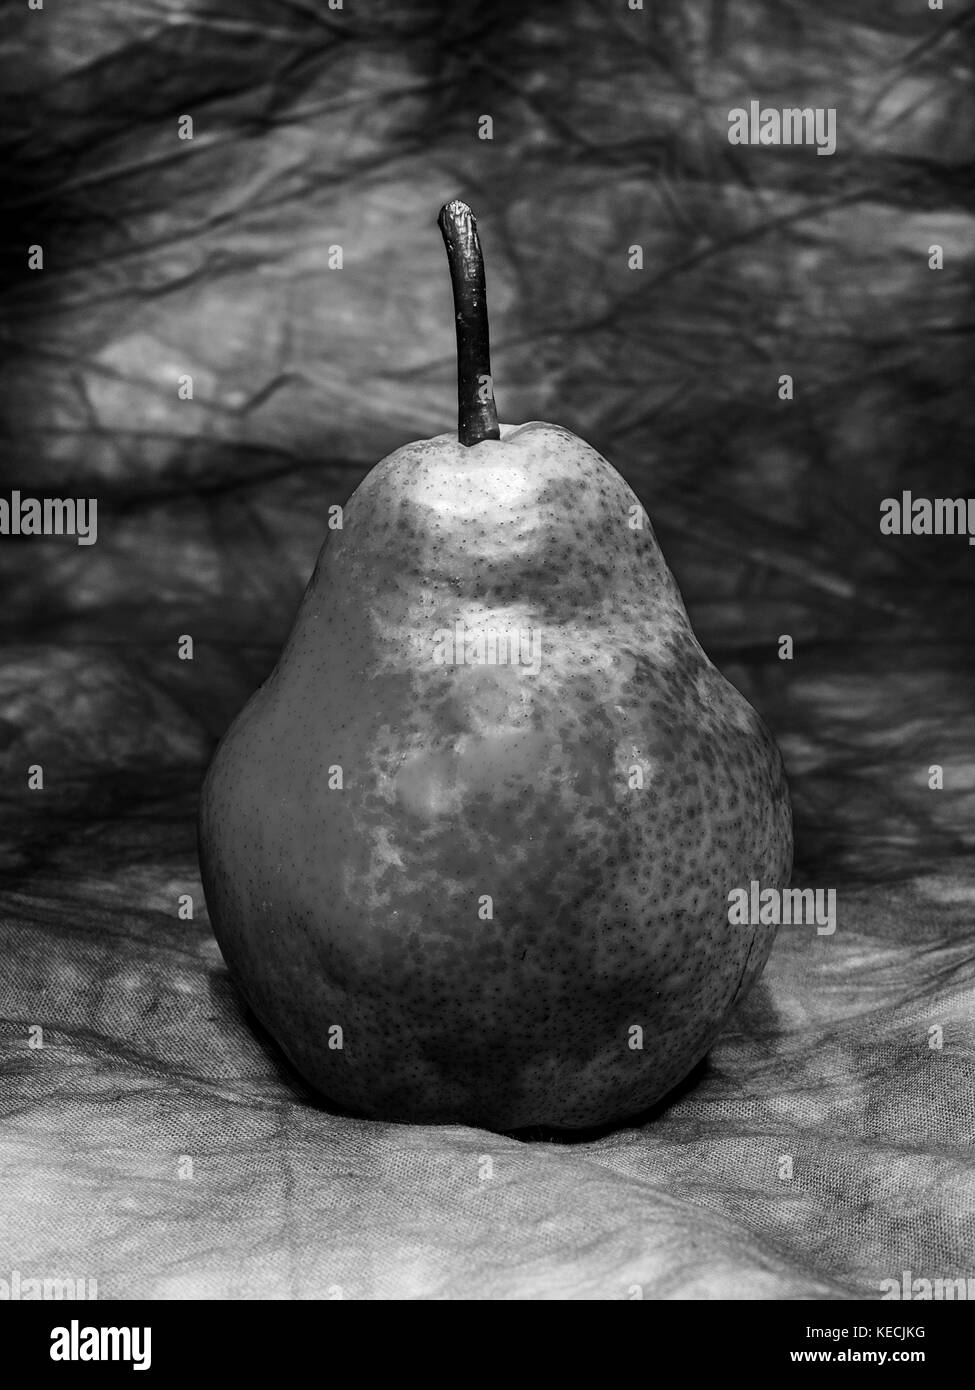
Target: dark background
209, 257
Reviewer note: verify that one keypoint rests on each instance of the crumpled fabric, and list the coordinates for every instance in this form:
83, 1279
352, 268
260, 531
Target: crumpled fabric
153, 1138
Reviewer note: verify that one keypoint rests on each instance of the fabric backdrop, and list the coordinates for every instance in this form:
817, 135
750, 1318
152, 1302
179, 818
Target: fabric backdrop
152, 1138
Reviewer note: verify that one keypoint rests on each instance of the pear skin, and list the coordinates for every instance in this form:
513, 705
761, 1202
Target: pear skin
493, 892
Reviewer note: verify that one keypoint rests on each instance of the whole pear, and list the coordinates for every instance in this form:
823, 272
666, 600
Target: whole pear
468, 851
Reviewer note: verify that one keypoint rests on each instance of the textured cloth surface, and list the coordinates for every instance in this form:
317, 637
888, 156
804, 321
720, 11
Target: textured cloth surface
823, 1147
156, 1141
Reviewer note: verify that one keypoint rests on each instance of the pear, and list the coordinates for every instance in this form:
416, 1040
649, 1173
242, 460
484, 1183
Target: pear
468, 851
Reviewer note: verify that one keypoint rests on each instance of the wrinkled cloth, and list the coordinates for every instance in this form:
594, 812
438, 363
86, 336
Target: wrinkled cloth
153, 1138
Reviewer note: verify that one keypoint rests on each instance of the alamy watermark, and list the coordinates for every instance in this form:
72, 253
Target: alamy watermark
926, 516
26, 1288
793, 125
488, 646
77, 1343
772, 907
918, 1290
50, 516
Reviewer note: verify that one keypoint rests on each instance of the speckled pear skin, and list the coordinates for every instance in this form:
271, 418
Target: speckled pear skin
362, 908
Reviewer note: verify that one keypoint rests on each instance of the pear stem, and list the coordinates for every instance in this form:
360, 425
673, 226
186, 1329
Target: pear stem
477, 414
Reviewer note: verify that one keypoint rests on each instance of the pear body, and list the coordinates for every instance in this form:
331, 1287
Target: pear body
457, 889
